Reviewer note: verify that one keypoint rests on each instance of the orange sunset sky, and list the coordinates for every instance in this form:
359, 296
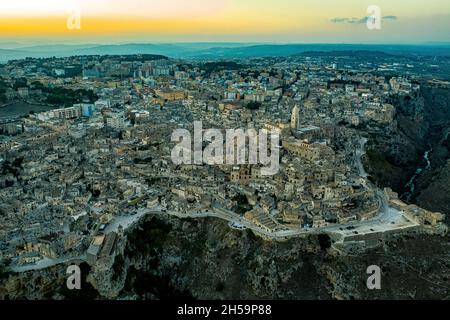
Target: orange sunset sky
224, 20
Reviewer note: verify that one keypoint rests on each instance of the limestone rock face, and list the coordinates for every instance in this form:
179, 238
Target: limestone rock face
166, 257
436, 196
395, 153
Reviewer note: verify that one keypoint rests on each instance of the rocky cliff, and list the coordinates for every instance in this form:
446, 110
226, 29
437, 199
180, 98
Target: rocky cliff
169, 258
395, 153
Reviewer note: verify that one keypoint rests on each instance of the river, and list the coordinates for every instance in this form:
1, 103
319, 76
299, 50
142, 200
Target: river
411, 185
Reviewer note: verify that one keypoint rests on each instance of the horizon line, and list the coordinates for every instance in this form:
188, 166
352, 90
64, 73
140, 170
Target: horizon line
74, 43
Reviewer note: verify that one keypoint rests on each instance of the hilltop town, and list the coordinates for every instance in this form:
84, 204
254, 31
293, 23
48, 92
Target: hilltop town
95, 156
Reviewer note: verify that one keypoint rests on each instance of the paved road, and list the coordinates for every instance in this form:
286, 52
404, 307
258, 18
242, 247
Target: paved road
230, 216
359, 154
47, 263
388, 218
127, 221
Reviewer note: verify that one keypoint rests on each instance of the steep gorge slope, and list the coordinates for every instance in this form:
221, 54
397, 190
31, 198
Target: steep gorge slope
395, 153
170, 258
434, 186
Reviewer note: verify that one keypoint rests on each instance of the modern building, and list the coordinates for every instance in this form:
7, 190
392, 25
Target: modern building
115, 121
87, 109
67, 113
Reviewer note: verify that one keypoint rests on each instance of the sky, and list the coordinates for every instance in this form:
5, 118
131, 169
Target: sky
283, 21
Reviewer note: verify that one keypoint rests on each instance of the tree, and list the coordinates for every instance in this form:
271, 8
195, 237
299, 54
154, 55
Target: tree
253, 105
20, 83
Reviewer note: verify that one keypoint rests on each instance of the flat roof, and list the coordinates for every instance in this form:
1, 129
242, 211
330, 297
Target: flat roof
98, 240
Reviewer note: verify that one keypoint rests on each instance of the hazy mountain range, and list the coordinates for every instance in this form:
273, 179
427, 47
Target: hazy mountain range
12, 50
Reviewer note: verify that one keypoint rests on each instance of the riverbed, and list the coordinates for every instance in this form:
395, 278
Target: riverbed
411, 185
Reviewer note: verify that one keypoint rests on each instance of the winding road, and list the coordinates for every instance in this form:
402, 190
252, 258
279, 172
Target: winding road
388, 219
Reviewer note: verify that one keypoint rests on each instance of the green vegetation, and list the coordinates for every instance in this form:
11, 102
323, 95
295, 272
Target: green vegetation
381, 169
150, 284
37, 85
52, 95
220, 287
446, 143
147, 243
137, 57
149, 239
324, 241
13, 168
136, 201
5, 272
242, 204
3, 88
73, 71
2, 96
378, 159
118, 266
253, 105
20, 83
250, 73
186, 67
210, 67
68, 97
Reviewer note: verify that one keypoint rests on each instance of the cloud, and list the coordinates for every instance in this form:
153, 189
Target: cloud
350, 20
359, 20
390, 18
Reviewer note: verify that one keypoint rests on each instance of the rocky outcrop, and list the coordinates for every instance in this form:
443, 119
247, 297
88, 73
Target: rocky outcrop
49, 283
168, 258
394, 150
205, 259
108, 275
394, 153
436, 195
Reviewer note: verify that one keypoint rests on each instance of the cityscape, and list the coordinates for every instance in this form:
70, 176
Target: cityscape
228, 171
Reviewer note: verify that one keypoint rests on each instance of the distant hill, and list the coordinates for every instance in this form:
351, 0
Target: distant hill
135, 48
137, 57
294, 49
176, 50
220, 50
9, 45
8, 54
353, 53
